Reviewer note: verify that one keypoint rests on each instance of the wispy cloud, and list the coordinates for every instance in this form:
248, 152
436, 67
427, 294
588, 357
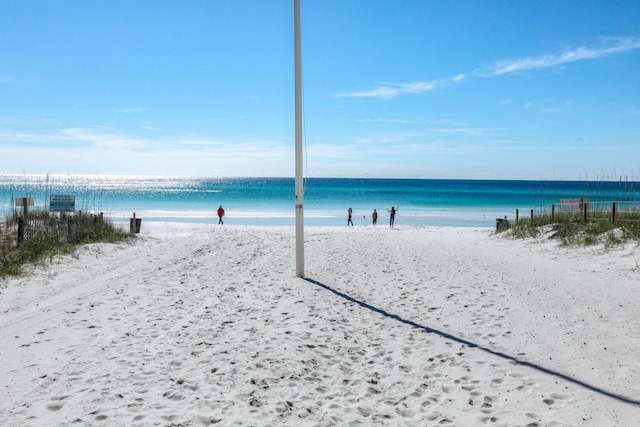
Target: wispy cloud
548, 110
545, 109
616, 45
467, 131
611, 46
99, 137
103, 138
391, 90
432, 127
381, 92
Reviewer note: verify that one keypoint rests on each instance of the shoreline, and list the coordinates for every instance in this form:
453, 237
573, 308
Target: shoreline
195, 323
472, 218
315, 220
270, 201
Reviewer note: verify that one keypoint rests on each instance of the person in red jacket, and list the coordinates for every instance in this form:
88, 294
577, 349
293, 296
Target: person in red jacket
220, 214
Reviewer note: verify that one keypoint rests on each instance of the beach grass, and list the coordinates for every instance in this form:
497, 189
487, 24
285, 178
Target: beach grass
46, 241
576, 229
602, 218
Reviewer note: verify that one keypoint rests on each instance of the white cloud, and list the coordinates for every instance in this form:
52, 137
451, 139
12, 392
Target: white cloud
619, 45
20, 137
381, 92
106, 150
615, 45
104, 138
417, 87
468, 131
391, 90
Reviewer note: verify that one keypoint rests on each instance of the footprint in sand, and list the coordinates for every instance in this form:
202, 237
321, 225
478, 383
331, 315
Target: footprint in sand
54, 406
404, 412
487, 405
56, 403
487, 420
556, 399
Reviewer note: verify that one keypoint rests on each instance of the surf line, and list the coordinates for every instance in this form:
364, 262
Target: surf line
474, 345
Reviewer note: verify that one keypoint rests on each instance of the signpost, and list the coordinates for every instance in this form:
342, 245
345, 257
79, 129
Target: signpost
25, 202
62, 203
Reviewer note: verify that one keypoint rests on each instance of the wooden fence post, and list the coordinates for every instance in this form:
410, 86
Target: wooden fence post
517, 216
585, 208
613, 213
553, 212
20, 230
531, 215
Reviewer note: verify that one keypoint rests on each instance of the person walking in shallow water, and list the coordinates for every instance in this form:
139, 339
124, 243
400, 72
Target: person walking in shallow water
220, 215
349, 213
392, 215
374, 217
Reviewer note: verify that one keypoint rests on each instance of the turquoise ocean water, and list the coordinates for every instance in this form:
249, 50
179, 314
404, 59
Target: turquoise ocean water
270, 201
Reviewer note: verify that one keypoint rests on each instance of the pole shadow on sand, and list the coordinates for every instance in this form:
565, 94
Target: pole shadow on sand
474, 345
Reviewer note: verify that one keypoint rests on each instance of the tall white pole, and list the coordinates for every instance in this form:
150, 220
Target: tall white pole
299, 172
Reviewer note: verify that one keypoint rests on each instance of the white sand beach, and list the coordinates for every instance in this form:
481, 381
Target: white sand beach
414, 326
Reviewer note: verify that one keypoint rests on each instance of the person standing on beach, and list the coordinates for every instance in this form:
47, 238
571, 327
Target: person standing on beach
349, 213
374, 217
392, 216
220, 215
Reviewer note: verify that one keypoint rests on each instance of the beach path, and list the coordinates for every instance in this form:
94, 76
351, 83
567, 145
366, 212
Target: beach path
205, 325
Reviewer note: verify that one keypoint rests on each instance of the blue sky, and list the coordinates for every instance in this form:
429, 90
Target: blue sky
409, 89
